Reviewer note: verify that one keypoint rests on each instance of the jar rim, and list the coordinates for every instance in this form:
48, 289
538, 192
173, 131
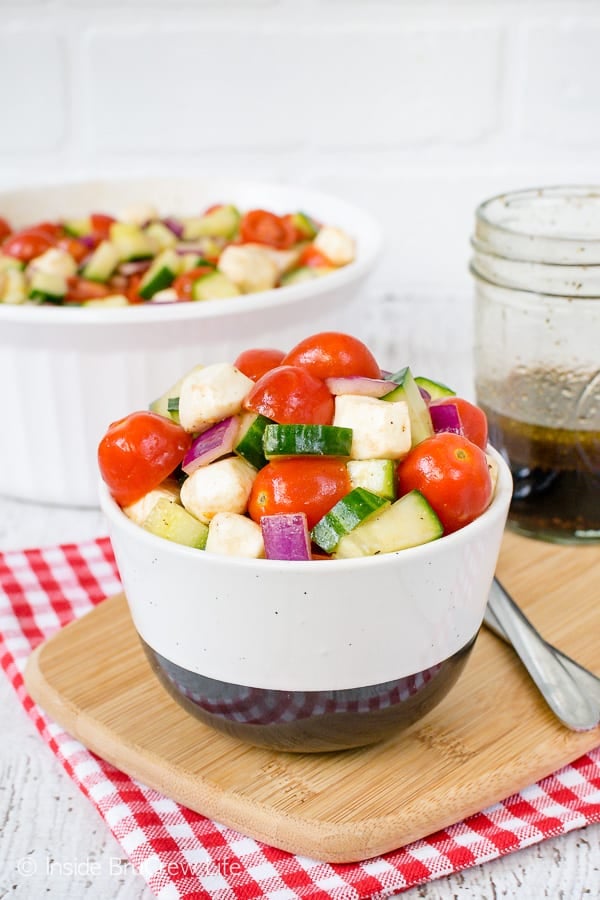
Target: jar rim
555, 225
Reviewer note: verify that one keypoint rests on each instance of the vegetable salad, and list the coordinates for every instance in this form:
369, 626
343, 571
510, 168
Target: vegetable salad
311, 454
143, 258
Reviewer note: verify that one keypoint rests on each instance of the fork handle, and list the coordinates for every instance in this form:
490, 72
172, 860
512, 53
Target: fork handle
557, 686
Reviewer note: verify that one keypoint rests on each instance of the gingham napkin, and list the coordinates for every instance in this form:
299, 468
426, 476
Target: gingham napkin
182, 854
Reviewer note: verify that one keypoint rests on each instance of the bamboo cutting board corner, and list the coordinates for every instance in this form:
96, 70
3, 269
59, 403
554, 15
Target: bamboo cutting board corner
491, 737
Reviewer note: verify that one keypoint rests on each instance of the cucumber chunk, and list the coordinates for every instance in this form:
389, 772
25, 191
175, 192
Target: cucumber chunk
13, 286
161, 274
221, 222
250, 440
306, 440
167, 404
299, 276
161, 236
376, 475
130, 241
408, 522
77, 227
48, 287
171, 521
102, 263
307, 227
408, 390
435, 389
214, 286
348, 513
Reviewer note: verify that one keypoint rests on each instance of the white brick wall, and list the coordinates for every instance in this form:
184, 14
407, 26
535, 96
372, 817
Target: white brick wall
417, 109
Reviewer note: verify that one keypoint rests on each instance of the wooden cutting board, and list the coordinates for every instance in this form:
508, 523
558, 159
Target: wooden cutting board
492, 735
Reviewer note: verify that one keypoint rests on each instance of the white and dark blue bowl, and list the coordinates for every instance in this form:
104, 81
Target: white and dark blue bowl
310, 656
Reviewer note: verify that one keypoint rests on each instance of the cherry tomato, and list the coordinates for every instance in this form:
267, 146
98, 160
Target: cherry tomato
26, 245
80, 289
312, 256
131, 291
452, 474
51, 229
77, 249
473, 419
261, 227
5, 229
100, 225
331, 354
289, 394
306, 485
254, 363
213, 208
138, 452
183, 284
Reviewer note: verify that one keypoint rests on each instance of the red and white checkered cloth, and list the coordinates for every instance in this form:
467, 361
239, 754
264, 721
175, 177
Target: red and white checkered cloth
180, 853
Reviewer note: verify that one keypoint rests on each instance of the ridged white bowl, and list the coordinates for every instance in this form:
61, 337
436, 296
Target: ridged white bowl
66, 373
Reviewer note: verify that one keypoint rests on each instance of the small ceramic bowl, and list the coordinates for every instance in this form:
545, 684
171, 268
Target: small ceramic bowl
67, 372
310, 656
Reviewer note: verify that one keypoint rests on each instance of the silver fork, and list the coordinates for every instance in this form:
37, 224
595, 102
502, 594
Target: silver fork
571, 691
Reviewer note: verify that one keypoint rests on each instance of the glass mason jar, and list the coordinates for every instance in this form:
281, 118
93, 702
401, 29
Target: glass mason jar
536, 264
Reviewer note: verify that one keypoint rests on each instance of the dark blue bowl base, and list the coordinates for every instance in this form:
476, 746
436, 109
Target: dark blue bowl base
310, 721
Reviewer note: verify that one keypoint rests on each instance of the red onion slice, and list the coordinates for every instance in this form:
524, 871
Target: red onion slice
134, 267
358, 384
174, 225
286, 536
216, 441
445, 417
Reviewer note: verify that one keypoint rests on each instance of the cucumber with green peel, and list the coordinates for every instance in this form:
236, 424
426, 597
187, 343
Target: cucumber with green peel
250, 439
161, 274
130, 241
376, 475
9, 262
191, 261
348, 513
408, 522
214, 286
299, 276
307, 227
48, 287
102, 263
220, 222
408, 390
435, 389
13, 286
167, 404
306, 440
77, 227
161, 236
171, 521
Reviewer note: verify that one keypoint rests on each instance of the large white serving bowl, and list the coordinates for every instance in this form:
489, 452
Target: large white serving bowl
310, 656
66, 373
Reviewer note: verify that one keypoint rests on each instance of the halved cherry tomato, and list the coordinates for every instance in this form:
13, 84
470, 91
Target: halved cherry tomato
100, 225
262, 227
76, 248
312, 256
5, 229
80, 289
184, 284
138, 452
452, 474
289, 394
26, 245
306, 485
254, 363
212, 208
473, 419
330, 354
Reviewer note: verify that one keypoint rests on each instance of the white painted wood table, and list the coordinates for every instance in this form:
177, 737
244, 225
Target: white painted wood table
49, 830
